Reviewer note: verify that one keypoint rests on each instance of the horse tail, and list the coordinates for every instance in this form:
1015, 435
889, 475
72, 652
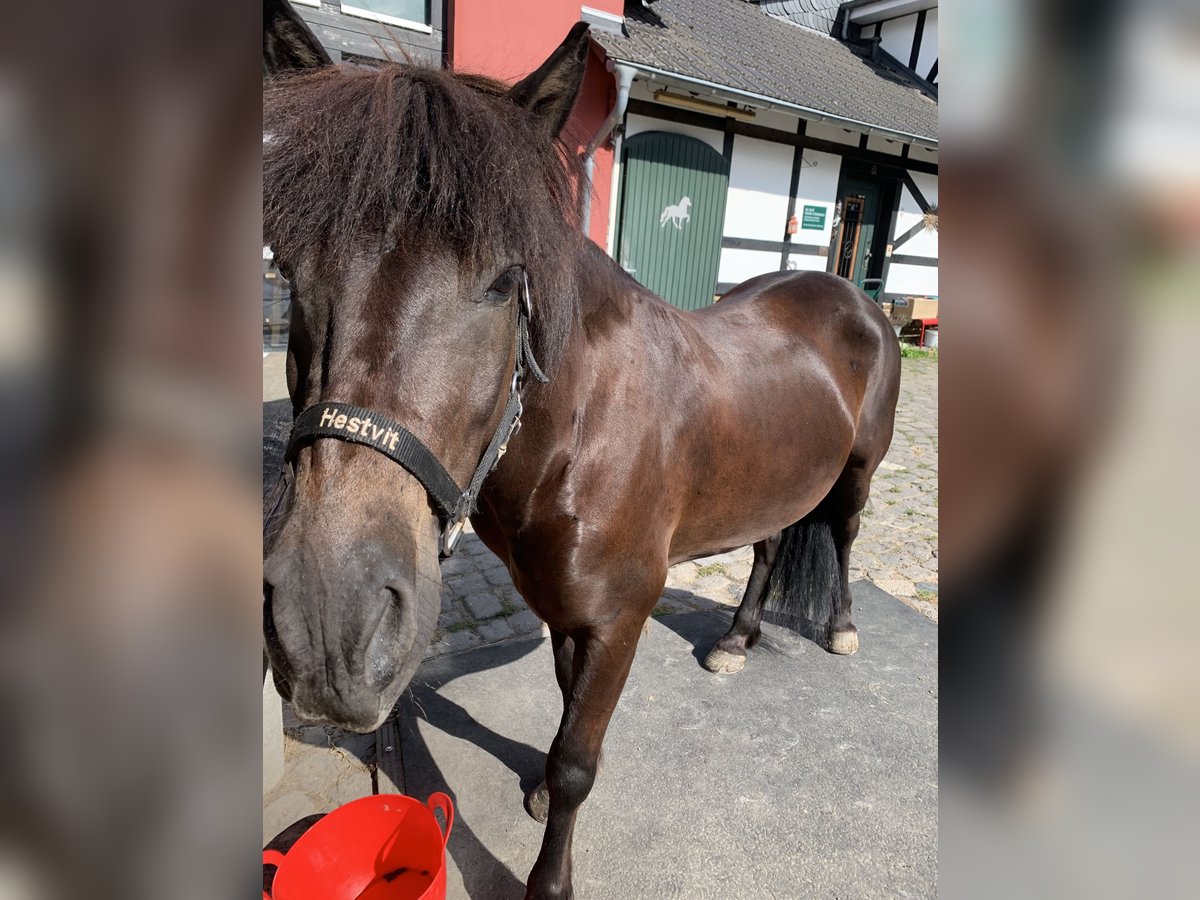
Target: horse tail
804, 581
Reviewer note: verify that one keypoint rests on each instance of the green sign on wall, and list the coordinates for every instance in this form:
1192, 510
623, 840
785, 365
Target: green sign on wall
813, 217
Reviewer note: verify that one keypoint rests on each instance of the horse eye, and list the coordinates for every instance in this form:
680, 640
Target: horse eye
502, 287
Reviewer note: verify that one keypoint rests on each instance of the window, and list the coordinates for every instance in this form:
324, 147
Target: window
277, 305
406, 13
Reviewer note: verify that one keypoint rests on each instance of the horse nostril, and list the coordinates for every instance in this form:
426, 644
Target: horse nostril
392, 596
270, 635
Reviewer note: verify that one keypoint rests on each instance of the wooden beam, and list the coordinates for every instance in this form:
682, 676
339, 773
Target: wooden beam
777, 135
916, 44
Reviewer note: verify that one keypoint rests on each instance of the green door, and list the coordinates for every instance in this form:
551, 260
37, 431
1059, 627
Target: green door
856, 234
672, 214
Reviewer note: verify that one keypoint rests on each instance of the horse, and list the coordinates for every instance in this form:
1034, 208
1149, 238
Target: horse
451, 325
676, 214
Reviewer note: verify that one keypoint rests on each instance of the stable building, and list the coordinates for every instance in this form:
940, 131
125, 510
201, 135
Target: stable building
728, 138
799, 135
722, 138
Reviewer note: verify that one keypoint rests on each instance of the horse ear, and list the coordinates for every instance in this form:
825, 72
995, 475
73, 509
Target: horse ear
288, 43
549, 93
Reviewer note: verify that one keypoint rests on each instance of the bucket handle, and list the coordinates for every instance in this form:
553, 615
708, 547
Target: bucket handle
438, 800
271, 858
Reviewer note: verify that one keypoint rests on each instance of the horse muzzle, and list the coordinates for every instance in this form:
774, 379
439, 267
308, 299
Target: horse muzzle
345, 649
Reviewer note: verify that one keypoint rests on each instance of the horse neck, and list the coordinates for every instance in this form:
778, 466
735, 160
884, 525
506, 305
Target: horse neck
602, 291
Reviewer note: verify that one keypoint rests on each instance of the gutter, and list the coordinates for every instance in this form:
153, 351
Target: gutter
765, 102
624, 77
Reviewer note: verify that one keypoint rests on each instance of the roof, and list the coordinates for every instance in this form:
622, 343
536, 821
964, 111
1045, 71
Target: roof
819, 14
735, 44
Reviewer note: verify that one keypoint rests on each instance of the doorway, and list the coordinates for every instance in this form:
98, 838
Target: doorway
672, 213
855, 252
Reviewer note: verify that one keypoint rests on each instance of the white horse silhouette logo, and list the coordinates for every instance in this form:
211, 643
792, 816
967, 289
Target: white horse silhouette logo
676, 214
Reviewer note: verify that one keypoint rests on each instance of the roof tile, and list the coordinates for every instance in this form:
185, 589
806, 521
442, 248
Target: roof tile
736, 44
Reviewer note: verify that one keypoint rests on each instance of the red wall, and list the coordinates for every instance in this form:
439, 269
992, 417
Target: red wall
510, 39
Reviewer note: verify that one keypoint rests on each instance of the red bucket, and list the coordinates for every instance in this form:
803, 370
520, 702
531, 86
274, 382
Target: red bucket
385, 847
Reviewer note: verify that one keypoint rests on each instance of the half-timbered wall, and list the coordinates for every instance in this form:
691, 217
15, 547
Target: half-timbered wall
778, 166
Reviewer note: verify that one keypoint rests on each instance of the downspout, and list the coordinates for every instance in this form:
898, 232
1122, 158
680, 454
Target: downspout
624, 77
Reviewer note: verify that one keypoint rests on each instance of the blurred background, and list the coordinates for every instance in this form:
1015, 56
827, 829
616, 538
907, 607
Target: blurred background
130, 264
1070, 645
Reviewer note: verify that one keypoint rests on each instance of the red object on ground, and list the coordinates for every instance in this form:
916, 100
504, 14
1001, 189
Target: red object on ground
925, 323
385, 847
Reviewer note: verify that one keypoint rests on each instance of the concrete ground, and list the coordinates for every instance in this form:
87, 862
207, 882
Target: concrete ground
886, 831
806, 775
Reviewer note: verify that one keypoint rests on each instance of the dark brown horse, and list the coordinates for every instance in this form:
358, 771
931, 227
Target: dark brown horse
416, 213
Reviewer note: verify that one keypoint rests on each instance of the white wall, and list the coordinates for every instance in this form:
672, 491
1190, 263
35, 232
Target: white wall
914, 279
738, 265
919, 281
923, 153
817, 187
884, 145
805, 262
635, 124
760, 174
929, 44
759, 177
897, 36
910, 214
826, 132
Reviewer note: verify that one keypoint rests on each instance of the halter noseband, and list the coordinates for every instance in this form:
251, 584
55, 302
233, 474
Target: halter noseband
387, 436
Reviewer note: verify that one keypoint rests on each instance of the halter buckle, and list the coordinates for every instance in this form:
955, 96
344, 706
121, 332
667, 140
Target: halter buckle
526, 297
451, 534
512, 430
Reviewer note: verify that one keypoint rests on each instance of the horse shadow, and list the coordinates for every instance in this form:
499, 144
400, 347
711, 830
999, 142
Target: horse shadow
483, 874
708, 620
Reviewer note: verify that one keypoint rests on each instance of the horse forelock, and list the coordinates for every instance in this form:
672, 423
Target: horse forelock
415, 157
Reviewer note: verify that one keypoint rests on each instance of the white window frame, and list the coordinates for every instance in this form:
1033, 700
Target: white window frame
351, 10
313, 3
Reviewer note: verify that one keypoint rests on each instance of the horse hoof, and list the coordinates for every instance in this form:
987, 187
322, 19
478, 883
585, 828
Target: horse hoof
724, 663
537, 803
843, 643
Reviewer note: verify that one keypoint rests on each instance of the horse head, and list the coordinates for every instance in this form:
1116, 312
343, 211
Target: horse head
406, 207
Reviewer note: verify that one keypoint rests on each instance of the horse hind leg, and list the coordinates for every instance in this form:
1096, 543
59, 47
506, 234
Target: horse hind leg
728, 655
808, 586
842, 508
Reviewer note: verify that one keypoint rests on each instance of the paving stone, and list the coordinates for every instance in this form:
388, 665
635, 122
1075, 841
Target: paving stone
495, 630
483, 605
524, 621
898, 587
684, 573
456, 565
461, 640
712, 586
497, 575
469, 584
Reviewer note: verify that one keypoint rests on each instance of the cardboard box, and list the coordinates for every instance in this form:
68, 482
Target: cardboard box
924, 307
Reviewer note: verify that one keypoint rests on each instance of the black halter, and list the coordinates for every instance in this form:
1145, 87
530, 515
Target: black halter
379, 432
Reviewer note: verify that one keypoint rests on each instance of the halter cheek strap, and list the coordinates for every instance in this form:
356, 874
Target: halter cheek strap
346, 422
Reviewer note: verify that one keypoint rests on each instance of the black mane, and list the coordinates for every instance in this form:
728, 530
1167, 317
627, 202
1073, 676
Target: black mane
405, 154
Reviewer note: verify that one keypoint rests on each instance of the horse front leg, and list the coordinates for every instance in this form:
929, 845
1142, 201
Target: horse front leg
600, 665
537, 802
